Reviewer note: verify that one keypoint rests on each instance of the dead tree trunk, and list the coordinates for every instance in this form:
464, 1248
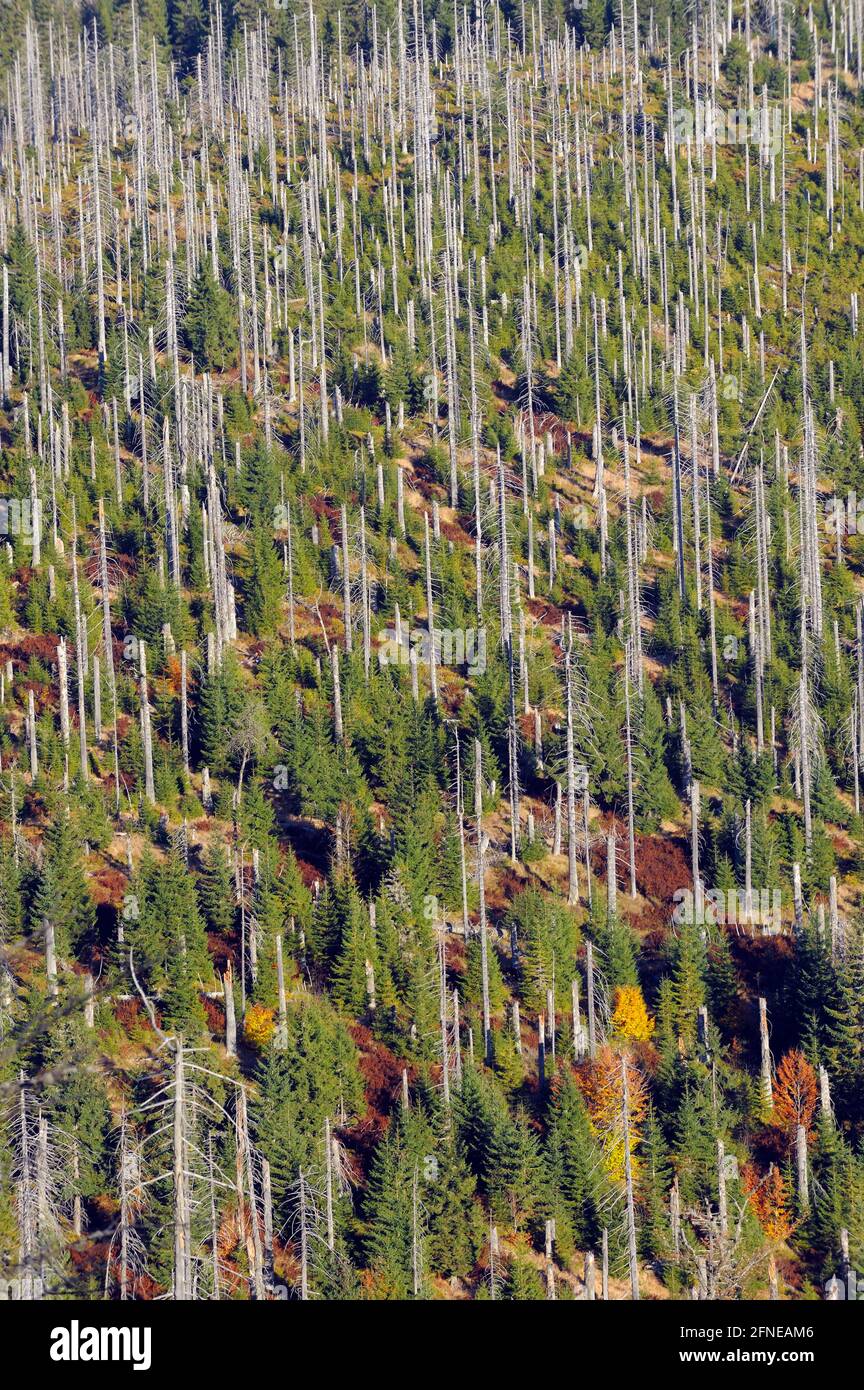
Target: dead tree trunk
628, 1180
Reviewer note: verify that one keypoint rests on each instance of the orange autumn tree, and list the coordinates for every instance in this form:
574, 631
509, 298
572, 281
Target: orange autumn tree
630, 1017
769, 1198
603, 1088
795, 1092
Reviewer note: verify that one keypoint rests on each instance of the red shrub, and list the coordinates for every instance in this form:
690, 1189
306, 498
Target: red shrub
662, 867
215, 1013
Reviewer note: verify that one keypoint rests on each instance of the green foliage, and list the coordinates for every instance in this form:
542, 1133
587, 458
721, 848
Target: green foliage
209, 324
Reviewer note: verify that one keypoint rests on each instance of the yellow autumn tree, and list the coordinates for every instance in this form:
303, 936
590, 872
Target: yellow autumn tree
630, 1018
258, 1026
